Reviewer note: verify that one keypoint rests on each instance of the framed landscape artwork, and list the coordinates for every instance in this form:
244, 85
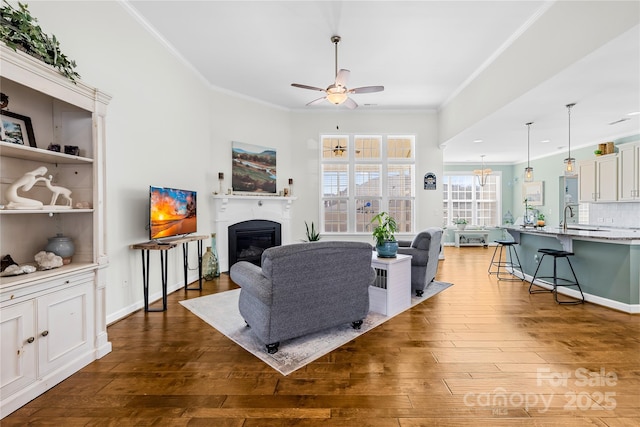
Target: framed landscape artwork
16, 129
534, 193
253, 169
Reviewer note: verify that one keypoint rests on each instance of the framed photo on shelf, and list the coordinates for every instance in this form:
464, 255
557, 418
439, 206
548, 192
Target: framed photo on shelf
16, 129
534, 193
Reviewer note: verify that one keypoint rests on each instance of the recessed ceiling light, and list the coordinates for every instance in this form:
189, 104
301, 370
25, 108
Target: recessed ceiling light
635, 113
477, 141
544, 141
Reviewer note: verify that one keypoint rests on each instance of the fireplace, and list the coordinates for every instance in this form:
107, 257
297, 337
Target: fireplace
248, 239
234, 209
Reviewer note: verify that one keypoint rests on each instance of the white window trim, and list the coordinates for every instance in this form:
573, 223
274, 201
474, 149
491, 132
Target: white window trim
351, 162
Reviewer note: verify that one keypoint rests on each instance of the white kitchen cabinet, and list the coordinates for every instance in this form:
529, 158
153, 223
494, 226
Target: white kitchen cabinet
53, 322
598, 179
629, 172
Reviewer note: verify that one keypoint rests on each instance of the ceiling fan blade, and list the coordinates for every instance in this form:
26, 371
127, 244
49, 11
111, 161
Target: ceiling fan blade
307, 87
350, 103
367, 89
317, 101
342, 77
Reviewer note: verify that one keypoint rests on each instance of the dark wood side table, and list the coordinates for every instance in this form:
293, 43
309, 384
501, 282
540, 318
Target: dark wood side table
164, 247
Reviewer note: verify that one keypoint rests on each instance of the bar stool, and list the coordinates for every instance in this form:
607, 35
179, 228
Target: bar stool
510, 255
557, 281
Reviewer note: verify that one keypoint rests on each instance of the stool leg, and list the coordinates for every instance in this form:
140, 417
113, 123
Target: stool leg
519, 265
537, 291
575, 278
492, 258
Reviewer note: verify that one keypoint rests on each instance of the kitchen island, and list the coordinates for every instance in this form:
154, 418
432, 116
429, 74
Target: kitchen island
606, 261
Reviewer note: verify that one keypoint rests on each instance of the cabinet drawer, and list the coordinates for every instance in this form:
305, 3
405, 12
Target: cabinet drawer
15, 295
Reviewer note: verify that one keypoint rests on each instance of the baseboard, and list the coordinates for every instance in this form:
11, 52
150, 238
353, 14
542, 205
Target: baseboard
138, 305
594, 299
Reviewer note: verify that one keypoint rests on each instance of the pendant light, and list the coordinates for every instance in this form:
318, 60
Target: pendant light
569, 162
528, 171
482, 174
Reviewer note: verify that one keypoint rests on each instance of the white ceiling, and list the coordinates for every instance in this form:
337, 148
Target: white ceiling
422, 52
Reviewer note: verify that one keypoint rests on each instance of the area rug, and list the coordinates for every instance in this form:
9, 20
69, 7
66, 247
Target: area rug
221, 311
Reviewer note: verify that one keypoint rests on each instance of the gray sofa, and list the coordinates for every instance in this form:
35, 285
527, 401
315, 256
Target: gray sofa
425, 252
304, 288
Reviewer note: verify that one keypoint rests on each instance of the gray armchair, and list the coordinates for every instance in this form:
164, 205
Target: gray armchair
303, 288
425, 252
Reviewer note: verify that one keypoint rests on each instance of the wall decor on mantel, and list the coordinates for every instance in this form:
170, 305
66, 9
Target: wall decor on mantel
253, 168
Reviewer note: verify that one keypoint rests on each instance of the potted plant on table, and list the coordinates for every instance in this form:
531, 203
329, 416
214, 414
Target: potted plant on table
540, 220
461, 223
383, 234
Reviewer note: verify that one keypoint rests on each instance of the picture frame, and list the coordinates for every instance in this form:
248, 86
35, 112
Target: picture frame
533, 192
253, 169
16, 129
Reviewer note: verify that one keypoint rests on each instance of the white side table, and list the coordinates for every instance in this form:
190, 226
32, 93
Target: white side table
391, 292
471, 238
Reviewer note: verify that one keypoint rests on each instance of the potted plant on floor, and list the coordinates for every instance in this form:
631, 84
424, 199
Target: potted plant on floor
383, 234
312, 234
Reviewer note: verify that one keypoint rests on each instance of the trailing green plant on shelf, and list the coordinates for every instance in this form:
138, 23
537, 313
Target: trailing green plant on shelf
19, 30
386, 228
312, 234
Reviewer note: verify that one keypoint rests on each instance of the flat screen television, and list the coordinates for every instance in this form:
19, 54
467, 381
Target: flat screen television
172, 212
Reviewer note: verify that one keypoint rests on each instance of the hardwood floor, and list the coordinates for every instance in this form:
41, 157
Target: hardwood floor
481, 353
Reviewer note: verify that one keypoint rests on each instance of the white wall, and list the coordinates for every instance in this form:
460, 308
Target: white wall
165, 126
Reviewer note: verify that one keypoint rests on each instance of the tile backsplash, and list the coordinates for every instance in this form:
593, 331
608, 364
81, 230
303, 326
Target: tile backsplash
623, 215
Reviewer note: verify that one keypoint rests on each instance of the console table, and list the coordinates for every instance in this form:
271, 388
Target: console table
471, 238
391, 292
164, 247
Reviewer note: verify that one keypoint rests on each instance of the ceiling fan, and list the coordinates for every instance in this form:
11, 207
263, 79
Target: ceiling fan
337, 93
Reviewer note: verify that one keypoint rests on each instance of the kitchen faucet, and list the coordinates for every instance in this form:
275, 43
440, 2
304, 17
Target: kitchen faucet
564, 220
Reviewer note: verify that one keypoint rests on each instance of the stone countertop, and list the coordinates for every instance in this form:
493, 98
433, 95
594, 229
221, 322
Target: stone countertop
583, 232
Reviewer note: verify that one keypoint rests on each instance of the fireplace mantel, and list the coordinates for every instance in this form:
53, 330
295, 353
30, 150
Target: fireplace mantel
231, 209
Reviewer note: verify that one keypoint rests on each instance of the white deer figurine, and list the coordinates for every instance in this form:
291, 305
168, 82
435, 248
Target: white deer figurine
57, 191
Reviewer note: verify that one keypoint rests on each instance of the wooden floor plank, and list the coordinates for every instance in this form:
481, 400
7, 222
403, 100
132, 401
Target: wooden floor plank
481, 353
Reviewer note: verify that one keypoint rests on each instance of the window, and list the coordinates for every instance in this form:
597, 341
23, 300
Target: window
463, 198
363, 175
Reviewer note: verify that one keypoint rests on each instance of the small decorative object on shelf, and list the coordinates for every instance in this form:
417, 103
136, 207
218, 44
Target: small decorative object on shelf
221, 182
62, 246
72, 150
290, 186
58, 191
48, 260
25, 183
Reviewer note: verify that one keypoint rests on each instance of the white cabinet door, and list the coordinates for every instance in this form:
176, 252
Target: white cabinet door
587, 181
629, 172
18, 349
607, 178
65, 326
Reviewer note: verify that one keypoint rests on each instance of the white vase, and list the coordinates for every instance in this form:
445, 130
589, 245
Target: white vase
461, 226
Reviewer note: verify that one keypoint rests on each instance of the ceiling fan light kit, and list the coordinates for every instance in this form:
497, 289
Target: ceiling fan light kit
338, 93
